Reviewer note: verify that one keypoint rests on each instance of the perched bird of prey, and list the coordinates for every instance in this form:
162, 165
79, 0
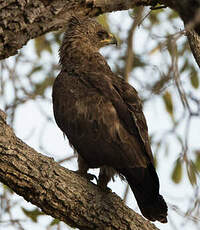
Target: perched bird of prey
102, 116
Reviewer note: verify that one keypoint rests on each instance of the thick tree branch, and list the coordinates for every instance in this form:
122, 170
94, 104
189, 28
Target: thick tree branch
186, 8
22, 20
59, 192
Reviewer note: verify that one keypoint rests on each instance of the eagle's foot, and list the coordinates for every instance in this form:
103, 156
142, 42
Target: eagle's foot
102, 184
103, 187
105, 175
88, 176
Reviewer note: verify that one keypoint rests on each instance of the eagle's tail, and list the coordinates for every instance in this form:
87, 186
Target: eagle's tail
145, 185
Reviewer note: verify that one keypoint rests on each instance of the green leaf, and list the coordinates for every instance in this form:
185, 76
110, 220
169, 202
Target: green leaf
197, 160
194, 79
155, 161
57, 37
159, 85
177, 172
158, 145
33, 215
41, 44
54, 222
103, 20
138, 62
8, 189
168, 103
42, 86
154, 16
185, 66
191, 173
172, 48
34, 70
173, 14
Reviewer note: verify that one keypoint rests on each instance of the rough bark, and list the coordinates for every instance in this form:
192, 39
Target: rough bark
186, 8
59, 192
194, 41
110, 5
22, 20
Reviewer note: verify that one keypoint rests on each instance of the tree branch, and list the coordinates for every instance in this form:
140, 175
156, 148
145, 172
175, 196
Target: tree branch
129, 51
24, 20
110, 5
59, 192
194, 42
189, 11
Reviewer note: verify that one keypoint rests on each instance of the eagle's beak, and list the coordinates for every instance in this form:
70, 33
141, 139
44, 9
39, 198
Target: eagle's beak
110, 40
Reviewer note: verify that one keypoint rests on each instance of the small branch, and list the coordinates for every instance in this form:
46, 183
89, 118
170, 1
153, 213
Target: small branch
189, 11
59, 192
129, 51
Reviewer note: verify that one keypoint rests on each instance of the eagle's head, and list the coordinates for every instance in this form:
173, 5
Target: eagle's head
89, 32
82, 40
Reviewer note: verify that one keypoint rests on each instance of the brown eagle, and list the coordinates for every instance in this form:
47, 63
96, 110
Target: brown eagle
102, 116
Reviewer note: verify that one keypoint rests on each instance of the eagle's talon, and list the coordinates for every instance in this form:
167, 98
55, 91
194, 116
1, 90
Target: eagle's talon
88, 176
104, 188
102, 185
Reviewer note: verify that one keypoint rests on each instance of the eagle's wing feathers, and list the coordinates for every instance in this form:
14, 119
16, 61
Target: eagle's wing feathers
127, 104
130, 96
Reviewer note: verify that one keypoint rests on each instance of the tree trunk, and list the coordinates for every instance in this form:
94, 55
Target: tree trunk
59, 192
22, 20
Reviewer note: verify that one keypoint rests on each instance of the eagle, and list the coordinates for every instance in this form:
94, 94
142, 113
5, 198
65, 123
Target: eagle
101, 114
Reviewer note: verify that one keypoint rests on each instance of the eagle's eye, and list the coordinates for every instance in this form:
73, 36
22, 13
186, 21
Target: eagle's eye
102, 34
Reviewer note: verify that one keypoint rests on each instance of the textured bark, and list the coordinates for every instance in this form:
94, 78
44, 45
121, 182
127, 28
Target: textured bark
194, 41
22, 20
185, 8
59, 192
110, 5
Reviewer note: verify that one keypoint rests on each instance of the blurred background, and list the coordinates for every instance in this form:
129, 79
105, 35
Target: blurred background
153, 56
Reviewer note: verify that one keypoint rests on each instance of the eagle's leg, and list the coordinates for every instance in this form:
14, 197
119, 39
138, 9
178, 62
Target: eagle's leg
105, 175
83, 168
